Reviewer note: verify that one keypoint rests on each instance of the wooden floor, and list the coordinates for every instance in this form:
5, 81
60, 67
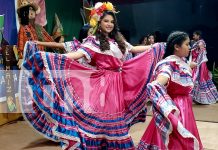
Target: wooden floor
19, 136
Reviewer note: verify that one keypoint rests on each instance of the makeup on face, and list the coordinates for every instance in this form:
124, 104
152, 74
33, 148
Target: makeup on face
107, 24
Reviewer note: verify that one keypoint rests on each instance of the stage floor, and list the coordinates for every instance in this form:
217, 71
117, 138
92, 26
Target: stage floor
19, 136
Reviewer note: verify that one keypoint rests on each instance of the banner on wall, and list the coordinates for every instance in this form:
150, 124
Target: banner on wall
9, 75
9, 72
8, 9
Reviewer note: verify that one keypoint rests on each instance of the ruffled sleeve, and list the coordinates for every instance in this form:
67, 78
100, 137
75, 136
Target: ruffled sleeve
164, 69
128, 46
87, 48
128, 55
72, 46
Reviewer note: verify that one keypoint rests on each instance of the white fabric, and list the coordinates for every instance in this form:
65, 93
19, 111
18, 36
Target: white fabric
114, 49
68, 46
175, 77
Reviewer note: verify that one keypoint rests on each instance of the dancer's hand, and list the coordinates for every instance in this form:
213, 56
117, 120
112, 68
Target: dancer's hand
19, 64
36, 42
192, 64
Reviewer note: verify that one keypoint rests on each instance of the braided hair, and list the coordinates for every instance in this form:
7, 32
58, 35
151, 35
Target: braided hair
176, 37
115, 34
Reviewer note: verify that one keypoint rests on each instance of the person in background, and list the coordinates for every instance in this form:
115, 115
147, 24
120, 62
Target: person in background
69, 46
29, 30
204, 91
143, 40
173, 124
84, 32
151, 39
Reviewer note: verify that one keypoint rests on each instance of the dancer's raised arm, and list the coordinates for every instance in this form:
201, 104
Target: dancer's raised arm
50, 44
75, 55
139, 49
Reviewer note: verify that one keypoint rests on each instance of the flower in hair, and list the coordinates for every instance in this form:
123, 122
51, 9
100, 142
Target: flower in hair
97, 11
93, 22
109, 6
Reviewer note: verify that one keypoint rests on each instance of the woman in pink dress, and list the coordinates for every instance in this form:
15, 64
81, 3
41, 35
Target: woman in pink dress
173, 124
88, 108
204, 91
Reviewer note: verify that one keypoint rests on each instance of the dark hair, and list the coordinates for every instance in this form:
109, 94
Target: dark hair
142, 39
115, 34
176, 37
24, 15
57, 39
83, 33
153, 36
198, 32
150, 35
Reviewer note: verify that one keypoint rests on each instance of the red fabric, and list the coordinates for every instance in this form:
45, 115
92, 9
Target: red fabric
22, 37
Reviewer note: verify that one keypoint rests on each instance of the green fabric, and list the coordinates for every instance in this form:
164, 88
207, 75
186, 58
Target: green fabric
1, 21
1, 26
68, 12
11, 106
39, 32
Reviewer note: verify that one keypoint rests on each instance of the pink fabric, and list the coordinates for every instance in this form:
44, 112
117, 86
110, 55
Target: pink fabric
184, 104
87, 108
199, 56
186, 117
41, 17
204, 91
195, 54
204, 73
116, 84
177, 96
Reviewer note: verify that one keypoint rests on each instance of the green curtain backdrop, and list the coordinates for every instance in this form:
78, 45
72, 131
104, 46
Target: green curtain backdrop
68, 12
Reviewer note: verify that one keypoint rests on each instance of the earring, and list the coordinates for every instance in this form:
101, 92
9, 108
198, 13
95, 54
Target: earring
99, 29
